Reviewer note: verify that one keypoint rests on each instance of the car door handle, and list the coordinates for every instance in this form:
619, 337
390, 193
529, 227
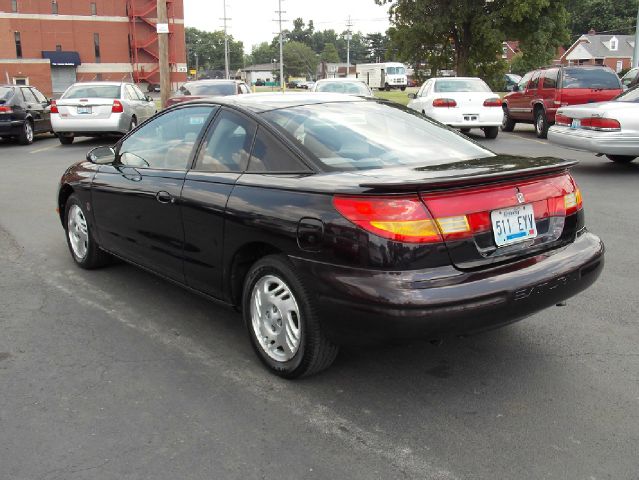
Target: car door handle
164, 197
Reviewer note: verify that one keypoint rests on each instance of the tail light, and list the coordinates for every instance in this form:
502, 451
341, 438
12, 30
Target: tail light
563, 120
117, 107
573, 201
54, 107
602, 124
492, 102
444, 102
403, 219
5, 109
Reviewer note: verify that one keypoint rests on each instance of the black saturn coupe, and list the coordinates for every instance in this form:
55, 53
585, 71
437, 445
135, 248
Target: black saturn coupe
328, 219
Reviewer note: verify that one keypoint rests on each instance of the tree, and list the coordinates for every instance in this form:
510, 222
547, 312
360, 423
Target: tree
299, 60
209, 47
329, 54
264, 53
617, 16
476, 28
377, 45
299, 33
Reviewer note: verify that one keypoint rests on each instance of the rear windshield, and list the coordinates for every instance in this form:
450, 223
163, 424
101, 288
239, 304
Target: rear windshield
367, 135
631, 95
5, 93
211, 89
470, 85
93, 91
352, 88
590, 78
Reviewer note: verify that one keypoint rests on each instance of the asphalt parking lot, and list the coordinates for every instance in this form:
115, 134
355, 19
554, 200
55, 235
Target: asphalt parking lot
115, 374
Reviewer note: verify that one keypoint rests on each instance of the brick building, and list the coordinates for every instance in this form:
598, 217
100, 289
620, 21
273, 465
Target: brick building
53, 43
614, 51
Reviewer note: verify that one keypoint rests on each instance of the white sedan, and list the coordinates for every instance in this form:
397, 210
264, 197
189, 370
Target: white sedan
606, 128
460, 102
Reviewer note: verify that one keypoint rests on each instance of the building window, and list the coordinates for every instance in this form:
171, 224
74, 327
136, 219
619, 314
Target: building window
14, 6
96, 45
20, 81
599, 61
58, 48
18, 44
619, 66
54, 7
94, 8
614, 44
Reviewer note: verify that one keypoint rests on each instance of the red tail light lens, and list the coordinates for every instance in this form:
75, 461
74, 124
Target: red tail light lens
117, 107
54, 107
444, 102
403, 219
604, 124
5, 109
573, 201
563, 120
493, 102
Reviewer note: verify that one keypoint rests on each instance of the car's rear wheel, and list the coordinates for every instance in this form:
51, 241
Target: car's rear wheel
621, 158
282, 320
65, 139
464, 130
84, 249
491, 132
134, 123
507, 124
26, 134
541, 124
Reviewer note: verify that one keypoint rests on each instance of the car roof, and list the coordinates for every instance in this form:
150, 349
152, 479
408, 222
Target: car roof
341, 79
456, 78
264, 102
98, 83
215, 80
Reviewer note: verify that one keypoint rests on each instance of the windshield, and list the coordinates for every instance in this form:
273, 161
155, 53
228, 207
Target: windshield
212, 89
5, 93
352, 88
631, 95
367, 135
458, 85
590, 78
395, 71
93, 91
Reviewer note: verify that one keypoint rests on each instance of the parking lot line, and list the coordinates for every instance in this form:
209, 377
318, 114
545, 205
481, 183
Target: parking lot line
530, 139
44, 148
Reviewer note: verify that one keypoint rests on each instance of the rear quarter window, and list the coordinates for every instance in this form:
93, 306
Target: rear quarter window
590, 78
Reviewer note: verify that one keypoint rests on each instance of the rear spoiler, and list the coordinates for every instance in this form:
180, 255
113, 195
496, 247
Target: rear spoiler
433, 179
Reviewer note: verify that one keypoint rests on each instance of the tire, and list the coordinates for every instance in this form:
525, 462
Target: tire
84, 249
491, 132
464, 130
387, 87
621, 158
26, 134
300, 346
133, 124
507, 124
541, 124
66, 139
403, 89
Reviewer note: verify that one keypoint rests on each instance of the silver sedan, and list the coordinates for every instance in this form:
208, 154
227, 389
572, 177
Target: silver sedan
606, 128
97, 108
350, 86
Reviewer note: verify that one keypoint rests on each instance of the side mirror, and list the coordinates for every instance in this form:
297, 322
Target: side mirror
101, 155
412, 95
515, 88
148, 98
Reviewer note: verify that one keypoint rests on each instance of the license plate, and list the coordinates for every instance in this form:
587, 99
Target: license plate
514, 224
576, 123
84, 110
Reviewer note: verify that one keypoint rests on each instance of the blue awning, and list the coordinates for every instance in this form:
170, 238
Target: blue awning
63, 58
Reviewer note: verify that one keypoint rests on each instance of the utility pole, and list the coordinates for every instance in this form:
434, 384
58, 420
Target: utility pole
197, 65
349, 24
162, 28
635, 57
226, 45
279, 13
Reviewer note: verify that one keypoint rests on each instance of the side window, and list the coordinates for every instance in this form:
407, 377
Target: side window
228, 144
269, 155
524, 81
28, 96
41, 98
167, 141
424, 89
245, 88
550, 78
130, 93
534, 83
139, 93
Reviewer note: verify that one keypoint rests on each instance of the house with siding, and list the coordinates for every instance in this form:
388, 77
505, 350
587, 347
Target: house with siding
615, 51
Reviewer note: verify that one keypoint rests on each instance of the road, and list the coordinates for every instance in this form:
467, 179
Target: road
115, 374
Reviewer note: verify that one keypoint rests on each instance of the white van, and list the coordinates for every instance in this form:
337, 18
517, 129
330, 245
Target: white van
383, 76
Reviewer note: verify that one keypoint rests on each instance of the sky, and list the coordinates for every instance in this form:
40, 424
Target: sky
251, 20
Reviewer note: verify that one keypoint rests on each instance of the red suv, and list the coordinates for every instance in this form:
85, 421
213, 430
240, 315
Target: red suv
539, 94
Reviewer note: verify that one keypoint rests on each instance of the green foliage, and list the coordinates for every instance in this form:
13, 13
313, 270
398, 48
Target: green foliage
209, 47
618, 16
329, 54
264, 53
299, 60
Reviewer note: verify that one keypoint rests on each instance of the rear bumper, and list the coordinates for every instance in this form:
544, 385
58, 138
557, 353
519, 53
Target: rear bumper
611, 143
11, 128
116, 123
359, 306
483, 117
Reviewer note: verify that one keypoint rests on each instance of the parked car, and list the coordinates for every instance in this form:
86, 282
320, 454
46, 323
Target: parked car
292, 84
607, 128
260, 83
631, 78
510, 80
460, 102
208, 88
24, 112
91, 109
153, 87
331, 218
306, 85
541, 92
350, 86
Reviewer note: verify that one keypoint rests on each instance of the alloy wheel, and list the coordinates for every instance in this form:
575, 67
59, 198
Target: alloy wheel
28, 131
78, 232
